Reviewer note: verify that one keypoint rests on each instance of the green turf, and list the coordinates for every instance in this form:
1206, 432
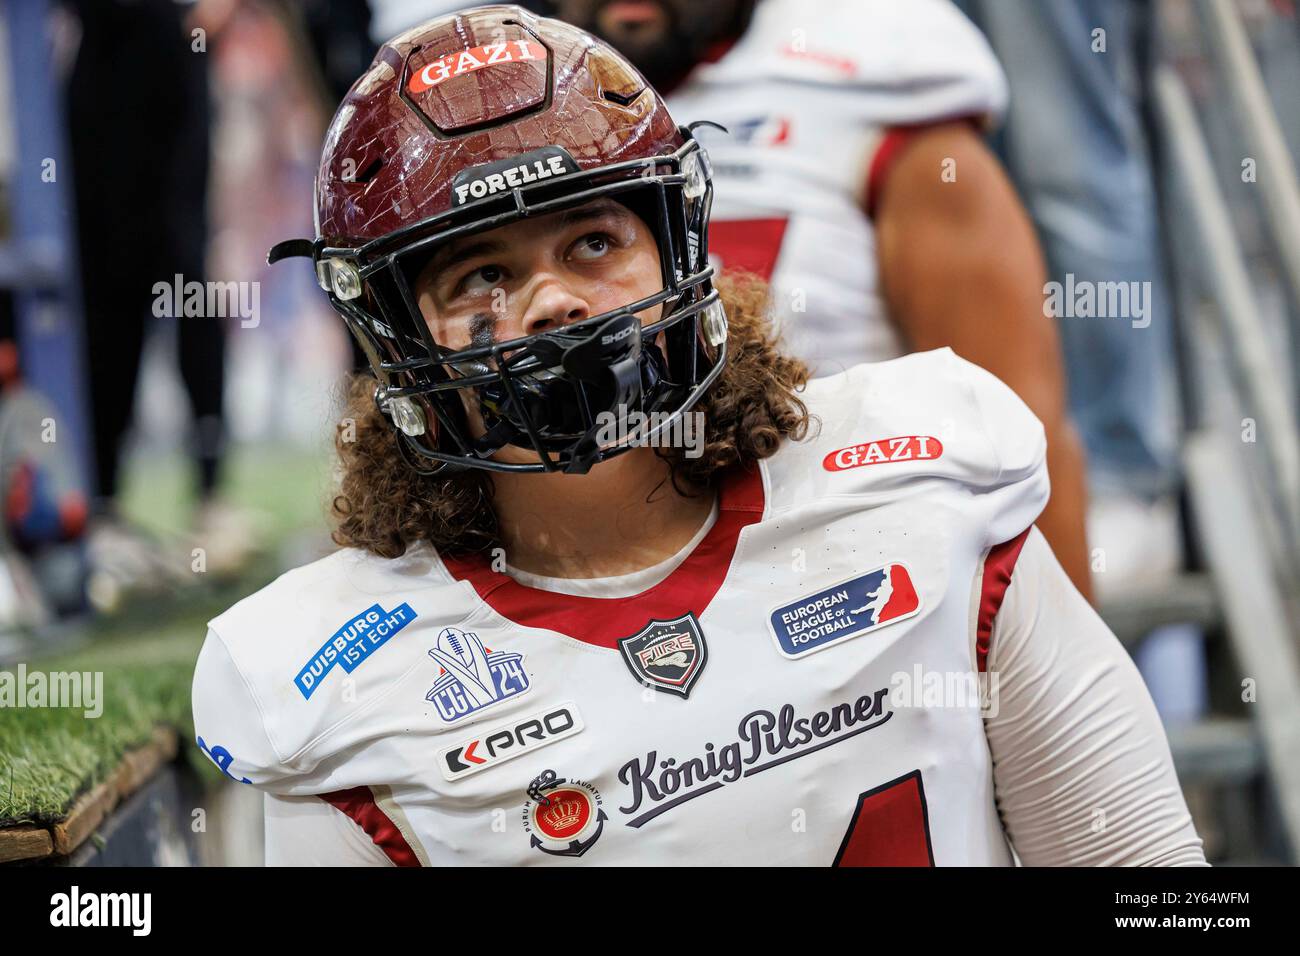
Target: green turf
49, 756
286, 486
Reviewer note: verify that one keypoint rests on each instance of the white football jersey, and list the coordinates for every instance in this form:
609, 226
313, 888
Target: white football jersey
808, 95
744, 709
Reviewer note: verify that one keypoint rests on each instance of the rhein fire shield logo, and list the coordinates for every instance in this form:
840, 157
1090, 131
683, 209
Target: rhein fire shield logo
667, 655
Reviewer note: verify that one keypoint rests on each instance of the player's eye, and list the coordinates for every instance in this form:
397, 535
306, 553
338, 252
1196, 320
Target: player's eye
592, 246
480, 280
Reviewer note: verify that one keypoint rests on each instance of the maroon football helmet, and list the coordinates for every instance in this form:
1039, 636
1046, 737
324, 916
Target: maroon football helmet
473, 121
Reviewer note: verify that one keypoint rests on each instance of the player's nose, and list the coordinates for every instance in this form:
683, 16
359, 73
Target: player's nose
553, 305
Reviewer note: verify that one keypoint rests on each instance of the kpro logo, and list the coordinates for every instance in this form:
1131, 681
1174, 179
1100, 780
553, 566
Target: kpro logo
512, 740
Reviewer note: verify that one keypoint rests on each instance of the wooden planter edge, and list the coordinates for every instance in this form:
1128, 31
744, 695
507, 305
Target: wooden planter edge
137, 766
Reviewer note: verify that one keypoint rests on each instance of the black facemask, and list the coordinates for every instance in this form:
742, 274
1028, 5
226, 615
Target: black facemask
580, 379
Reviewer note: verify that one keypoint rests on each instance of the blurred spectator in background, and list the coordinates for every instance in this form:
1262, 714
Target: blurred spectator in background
338, 32
854, 178
1076, 143
388, 18
273, 100
338, 50
138, 115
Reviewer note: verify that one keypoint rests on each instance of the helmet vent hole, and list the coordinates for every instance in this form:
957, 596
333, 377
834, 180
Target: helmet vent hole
367, 174
622, 99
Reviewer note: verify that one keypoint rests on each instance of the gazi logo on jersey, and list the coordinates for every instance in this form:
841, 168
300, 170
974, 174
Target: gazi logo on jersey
473, 677
352, 644
511, 740
846, 610
902, 448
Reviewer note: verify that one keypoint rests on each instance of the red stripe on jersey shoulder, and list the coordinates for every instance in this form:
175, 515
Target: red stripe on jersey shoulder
602, 621
891, 143
998, 567
359, 804
887, 151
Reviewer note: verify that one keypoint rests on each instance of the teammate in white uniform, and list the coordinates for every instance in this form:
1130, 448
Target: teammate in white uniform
853, 176
665, 659
806, 117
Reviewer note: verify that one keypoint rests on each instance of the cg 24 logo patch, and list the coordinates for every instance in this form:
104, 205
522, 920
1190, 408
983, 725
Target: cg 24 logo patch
473, 677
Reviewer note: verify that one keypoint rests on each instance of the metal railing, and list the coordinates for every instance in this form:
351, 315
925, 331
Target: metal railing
1245, 510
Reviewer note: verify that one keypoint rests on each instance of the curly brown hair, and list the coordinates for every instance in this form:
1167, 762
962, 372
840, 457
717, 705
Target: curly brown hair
383, 506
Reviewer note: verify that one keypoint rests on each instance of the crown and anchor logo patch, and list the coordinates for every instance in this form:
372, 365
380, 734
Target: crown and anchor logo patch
563, 817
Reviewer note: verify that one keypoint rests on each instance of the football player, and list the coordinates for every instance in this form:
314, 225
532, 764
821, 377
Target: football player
620, 584
853, 176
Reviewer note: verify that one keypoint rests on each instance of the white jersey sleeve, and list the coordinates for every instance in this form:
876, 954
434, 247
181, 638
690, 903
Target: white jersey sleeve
883, 62
1017, 450
308, 831
229, 719
1082, 771
915, 62
809, 96
970, 431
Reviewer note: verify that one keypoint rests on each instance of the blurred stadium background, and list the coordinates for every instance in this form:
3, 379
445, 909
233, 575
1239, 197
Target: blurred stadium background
204, 514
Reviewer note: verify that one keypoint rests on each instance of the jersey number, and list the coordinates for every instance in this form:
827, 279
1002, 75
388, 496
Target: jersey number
890, 827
